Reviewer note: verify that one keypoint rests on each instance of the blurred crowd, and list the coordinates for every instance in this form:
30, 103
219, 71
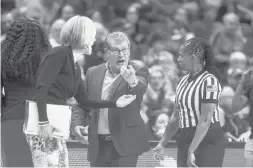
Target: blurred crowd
156, 29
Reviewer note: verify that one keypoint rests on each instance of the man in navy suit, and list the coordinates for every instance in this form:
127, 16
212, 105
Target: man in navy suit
117, 137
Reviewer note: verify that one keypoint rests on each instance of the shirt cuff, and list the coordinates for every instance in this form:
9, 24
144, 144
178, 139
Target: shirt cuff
215, 101
134, 84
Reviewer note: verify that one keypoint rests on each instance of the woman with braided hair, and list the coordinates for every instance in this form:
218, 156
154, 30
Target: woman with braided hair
196, 112
22, 50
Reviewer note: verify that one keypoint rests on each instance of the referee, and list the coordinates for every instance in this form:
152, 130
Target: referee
196, 112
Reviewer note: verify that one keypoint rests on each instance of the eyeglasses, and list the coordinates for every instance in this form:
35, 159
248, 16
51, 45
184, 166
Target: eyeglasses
125, 51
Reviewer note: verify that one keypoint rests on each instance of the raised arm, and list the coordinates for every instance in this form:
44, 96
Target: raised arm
142, 82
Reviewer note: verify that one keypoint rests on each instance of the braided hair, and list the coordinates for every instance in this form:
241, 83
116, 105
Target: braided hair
22, 50
202, 49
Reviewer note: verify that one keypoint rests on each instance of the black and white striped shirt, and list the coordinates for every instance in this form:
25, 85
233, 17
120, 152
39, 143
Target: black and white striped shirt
191, 92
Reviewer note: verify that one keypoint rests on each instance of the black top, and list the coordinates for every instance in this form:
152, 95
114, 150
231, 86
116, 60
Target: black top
59, 79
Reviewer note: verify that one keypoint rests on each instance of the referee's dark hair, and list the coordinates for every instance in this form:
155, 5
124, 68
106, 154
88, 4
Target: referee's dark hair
202, 49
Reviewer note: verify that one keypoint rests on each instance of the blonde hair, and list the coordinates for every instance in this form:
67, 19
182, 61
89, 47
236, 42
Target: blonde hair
79, 32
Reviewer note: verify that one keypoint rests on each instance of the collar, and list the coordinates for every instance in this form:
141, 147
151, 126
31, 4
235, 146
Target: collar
192, 78
77, 55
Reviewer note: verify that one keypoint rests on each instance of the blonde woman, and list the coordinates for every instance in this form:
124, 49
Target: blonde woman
59, 78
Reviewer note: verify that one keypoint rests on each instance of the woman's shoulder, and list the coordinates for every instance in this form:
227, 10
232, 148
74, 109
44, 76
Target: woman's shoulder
58, 53
59, 50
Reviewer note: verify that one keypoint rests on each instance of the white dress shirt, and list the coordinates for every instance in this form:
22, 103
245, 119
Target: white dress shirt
103, 125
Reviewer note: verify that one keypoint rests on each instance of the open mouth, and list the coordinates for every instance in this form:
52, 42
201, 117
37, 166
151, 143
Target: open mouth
120, 61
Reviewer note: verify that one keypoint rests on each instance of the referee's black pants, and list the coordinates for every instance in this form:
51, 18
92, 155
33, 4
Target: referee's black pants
210, 152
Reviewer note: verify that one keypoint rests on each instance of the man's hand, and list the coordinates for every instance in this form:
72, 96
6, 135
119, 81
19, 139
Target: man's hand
129, 75
191, 160
79, 132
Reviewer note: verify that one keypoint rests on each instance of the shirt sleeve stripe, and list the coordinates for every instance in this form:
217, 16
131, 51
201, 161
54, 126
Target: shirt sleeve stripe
210, 95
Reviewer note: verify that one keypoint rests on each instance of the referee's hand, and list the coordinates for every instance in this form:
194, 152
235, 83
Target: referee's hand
191, 160
158, 152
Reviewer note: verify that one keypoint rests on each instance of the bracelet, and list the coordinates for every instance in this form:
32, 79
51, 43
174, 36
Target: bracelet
43, 123
43, 126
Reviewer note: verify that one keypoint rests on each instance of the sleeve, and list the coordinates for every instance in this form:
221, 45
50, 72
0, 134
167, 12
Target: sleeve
141, 87
210, 90
49, 69
84, 101
78, 117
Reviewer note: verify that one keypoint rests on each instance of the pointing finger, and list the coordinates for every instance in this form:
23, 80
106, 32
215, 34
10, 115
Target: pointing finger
130, 67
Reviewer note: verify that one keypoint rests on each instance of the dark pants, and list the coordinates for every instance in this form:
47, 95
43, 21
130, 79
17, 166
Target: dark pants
109, 157
210, 152
15, 149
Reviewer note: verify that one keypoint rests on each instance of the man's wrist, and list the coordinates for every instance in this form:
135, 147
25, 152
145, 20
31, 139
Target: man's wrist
134, 83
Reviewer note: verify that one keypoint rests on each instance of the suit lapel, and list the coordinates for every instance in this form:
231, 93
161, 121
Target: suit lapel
115, 86
100, 75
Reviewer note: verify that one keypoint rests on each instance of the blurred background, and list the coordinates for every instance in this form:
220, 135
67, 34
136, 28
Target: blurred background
156, 29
